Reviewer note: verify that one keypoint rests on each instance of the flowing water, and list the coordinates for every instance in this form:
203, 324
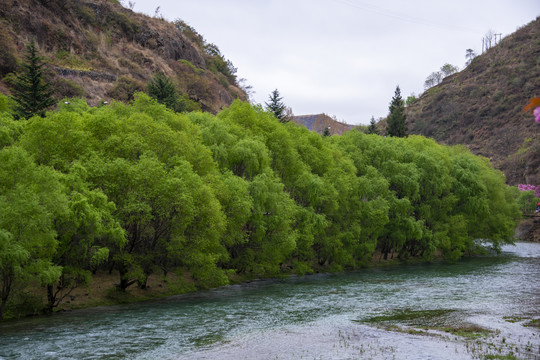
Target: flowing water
488, 306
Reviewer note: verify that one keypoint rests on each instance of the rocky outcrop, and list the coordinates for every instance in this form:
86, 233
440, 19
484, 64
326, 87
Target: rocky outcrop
94, 75
170, 45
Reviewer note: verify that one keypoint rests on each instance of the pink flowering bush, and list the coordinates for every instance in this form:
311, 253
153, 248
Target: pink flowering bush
537, 114
528, 187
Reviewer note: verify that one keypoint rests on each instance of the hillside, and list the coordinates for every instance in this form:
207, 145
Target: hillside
99, 50
319, 122
482, 106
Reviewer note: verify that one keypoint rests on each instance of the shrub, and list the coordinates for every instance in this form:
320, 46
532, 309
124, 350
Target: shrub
8, 62
124, 89
67, 88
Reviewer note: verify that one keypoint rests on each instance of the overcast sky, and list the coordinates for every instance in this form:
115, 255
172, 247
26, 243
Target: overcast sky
343, 57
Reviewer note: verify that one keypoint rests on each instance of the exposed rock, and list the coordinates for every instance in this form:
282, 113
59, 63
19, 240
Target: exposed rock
94, 75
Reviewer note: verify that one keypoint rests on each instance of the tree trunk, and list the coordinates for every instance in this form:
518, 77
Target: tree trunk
51, 299
7, 280
2, 308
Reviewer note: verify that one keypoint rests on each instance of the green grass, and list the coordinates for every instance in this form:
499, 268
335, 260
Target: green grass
500, 357
410, 315
468, 331
425, 320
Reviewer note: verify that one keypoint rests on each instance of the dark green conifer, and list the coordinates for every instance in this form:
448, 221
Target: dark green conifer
396, 119
161, 88
277, 107
372, 128
32, 94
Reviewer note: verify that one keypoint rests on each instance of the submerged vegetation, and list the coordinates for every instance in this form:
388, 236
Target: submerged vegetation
139, 189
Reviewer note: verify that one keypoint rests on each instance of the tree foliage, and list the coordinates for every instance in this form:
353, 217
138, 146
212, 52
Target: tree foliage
139, 190
448, 69
372, 127
433, 79
396, 118
161, 88
276, 106
32, 94
436, 77
470, 54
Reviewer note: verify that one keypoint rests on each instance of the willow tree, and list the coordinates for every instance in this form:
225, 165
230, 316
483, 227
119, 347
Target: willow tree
31, 198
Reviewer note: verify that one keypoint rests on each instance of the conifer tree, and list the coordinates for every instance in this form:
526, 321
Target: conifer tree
396, 119
161, 88
32, 94
372, 128
277, 107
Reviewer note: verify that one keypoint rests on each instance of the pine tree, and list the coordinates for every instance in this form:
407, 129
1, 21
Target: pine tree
372, 128
396, 119
277, 107
32, 94
161, 88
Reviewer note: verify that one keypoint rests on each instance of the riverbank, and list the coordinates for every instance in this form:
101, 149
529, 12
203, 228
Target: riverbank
103, 289
529, 229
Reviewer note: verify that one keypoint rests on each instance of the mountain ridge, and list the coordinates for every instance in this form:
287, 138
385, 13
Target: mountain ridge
481, 106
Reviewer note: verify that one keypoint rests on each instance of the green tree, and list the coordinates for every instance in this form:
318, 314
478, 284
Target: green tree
449, 69
396, 119
32, 94
276, 106
372, 128
411, 99
86, 234
433, 79
469, 55
326, 131
161, 88
31, 198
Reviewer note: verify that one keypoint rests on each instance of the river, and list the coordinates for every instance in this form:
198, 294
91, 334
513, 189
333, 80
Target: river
478, 307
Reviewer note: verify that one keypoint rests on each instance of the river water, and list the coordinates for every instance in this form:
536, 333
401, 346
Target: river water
401, 312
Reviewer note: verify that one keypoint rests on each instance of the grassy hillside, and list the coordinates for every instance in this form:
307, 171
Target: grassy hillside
482, 106
98, 50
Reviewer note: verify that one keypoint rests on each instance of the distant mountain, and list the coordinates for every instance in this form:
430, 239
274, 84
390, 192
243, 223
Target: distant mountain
481, 107
320, 122
97, 49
